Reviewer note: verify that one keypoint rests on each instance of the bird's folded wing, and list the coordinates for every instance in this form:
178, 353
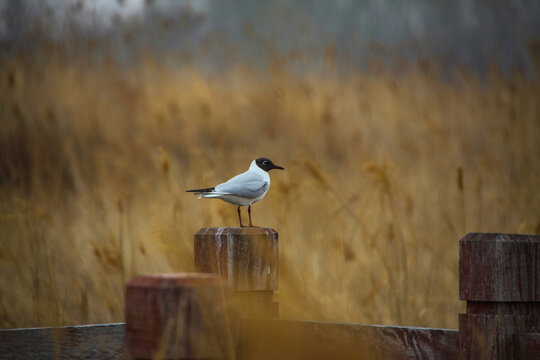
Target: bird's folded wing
245, 185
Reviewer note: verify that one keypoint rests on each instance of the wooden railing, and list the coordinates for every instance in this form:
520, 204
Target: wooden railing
229, 312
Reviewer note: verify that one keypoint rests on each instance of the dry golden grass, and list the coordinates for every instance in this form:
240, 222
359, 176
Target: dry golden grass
385, 172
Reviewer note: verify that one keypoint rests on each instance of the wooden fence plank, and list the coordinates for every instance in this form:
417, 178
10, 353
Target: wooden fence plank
260, 339
104, 341
292, 339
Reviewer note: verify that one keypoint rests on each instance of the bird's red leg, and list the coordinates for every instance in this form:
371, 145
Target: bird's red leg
249, 213
240, 217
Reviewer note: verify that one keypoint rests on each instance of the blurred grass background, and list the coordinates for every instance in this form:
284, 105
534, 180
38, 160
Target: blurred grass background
386, 170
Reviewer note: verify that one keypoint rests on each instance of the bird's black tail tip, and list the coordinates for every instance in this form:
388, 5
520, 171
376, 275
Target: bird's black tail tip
201, 190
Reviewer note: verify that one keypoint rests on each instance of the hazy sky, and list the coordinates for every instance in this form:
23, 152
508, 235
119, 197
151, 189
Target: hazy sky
471, 32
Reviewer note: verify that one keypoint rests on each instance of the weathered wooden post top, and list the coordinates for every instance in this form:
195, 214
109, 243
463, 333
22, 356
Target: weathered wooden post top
499, 277
247, 258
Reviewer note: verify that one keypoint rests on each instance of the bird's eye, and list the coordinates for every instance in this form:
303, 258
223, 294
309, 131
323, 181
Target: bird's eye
265, 162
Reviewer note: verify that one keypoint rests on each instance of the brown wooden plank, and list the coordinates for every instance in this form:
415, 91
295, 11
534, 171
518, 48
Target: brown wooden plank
292, 339
527, 346
71, 342
499, 267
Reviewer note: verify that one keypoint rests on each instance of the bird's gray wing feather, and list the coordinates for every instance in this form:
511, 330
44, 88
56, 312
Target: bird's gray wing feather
246, 185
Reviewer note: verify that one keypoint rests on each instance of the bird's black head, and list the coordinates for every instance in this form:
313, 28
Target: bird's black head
267, 164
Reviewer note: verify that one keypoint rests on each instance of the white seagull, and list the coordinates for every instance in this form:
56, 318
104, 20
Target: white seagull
244, 189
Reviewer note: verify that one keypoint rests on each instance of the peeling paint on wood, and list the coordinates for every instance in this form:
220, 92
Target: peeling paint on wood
250, 261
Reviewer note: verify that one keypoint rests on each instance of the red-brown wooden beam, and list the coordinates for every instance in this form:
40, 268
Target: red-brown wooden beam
178, 316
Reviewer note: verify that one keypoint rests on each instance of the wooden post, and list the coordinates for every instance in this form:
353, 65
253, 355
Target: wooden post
248, 259
499, 277
177, 316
